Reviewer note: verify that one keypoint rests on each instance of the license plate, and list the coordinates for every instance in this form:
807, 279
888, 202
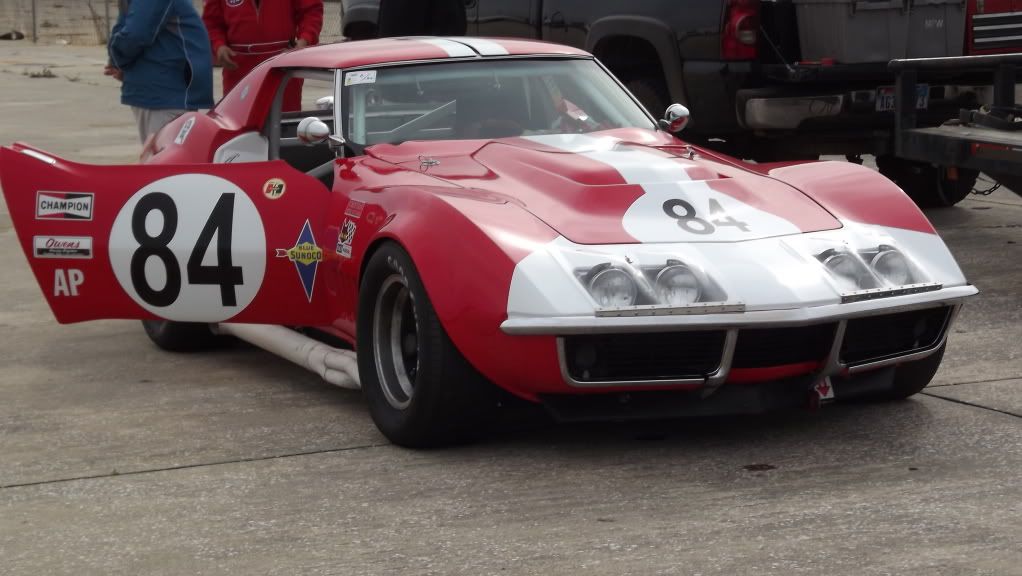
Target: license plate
885, 98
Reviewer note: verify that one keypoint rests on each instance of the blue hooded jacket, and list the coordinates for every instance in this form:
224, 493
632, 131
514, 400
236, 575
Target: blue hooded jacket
162, 48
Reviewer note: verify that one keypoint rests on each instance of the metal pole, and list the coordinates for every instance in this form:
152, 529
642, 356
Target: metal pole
35, 32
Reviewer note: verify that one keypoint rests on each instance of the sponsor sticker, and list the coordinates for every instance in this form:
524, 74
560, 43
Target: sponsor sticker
824, 389
274, 188
186, 128
360, 77
354, 209
63, 205
66, 282
345, 238
306, 255
62, 247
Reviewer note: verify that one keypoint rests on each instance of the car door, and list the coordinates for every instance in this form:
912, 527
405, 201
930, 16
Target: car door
195, 243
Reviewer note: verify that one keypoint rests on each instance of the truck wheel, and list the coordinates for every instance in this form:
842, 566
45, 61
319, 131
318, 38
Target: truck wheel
927, 185
180, 336
652, 93
420, 390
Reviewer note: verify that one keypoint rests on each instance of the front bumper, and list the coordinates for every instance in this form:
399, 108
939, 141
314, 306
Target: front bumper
826, 350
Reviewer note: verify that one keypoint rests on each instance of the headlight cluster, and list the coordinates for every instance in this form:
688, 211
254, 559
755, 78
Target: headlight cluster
868, 269
673, 284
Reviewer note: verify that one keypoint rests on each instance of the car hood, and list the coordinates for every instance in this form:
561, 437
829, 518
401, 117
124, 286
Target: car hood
619, 187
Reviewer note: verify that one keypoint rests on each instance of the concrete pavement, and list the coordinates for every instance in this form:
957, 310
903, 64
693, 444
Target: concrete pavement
116, 458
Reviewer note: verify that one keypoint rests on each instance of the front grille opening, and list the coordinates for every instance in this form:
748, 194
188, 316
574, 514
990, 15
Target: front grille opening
881, 337
765, 347
607, 358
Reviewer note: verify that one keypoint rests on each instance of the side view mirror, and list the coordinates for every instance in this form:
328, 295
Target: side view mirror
312, 131
675, 118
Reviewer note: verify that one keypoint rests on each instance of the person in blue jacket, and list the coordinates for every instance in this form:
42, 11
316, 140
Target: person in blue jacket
160, 51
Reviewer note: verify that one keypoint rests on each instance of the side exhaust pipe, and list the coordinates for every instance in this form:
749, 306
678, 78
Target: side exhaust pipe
336, 366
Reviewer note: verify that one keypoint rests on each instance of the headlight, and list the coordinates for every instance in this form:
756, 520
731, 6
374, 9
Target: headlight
676, 285
613, 287
848, 271
892, 266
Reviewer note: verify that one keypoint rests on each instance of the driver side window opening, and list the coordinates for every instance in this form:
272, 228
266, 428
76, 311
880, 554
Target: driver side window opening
313, 93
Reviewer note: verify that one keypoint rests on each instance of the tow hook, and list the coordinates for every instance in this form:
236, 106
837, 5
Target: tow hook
821, 392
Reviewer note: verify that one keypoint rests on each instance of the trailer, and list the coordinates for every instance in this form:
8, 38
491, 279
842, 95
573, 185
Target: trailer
988, 139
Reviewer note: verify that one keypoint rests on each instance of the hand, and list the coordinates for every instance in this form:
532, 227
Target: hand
109, 70
225, 57
301, 43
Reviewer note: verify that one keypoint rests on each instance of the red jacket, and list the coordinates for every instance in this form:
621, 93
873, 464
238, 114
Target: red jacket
257, 33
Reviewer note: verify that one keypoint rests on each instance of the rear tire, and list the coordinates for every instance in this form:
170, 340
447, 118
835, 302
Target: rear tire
421, 391
180, 336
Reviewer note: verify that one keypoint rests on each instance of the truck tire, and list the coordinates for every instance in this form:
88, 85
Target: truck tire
652, 93
927, 185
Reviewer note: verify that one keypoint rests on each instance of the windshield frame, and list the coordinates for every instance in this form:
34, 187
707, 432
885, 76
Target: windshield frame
359, 149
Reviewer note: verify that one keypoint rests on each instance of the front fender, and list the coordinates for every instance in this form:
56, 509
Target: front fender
465, 245
855, 193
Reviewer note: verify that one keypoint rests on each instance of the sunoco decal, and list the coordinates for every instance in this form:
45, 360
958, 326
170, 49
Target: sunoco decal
63, 205
62, 247
306, 255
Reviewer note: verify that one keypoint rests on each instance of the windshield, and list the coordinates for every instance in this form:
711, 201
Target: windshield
488, 99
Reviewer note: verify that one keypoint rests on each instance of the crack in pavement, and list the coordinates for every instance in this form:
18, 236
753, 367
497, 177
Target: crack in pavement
967, 403
975, 382
116, 474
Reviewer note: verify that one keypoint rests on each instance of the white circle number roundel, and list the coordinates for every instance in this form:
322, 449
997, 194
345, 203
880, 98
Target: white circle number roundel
190, 248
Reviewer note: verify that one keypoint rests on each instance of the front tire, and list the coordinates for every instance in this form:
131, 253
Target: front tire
420, 390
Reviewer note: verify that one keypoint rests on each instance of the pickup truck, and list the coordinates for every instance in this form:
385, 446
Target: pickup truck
754, 84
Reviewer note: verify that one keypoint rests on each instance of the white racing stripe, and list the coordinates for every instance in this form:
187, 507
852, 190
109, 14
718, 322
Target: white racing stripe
675, 208
453, 49
482, 46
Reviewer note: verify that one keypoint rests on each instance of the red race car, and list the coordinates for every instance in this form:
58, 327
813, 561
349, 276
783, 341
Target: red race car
466, 213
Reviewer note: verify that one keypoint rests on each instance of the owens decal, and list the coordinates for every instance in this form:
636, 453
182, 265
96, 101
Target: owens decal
62, 247
63, 205
306, 255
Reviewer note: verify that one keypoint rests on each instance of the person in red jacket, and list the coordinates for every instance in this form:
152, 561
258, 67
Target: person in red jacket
244, 33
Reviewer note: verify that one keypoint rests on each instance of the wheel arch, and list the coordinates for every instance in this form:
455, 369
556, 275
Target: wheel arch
465, 251
624, 32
